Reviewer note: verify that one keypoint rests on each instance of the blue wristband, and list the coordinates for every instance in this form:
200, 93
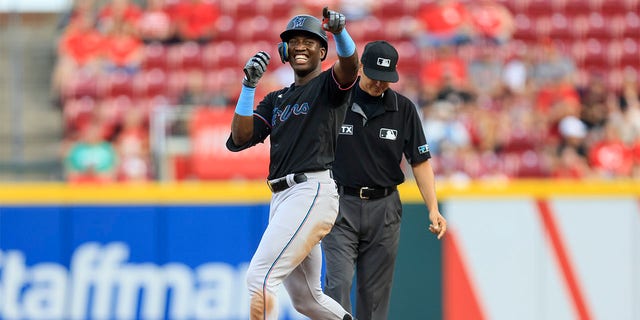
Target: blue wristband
244, 107
345, 47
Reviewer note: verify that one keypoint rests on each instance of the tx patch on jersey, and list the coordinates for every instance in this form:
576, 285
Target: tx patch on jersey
423, 149
346, 129
389, 134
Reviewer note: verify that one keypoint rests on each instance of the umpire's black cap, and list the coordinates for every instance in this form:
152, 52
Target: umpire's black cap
379, 61
308, 24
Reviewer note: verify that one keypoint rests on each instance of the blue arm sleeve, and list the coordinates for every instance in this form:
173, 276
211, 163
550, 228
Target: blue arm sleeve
345, 46
244, 107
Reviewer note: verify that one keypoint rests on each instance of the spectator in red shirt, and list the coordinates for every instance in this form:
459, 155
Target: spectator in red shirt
445, 77
79, 50
195, 20
610, 157
443, 22
132, 146
118, 11
122, 49
154, 24
492, 20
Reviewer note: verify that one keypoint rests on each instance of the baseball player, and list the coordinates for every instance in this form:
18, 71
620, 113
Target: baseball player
303, 121
381, 126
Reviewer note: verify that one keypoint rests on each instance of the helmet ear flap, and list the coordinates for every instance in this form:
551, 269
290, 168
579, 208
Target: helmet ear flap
283, 50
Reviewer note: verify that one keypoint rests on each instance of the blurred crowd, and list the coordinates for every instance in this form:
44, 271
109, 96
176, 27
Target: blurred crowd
501, 95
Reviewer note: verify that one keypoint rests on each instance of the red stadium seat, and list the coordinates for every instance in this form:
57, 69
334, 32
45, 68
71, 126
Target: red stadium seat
118, 83
83, 84
190, 56
632, 24
155, 56
226, 28
525, 28
597, 27
630, 55
611, 7
536, 8
579, 7
595, 54
409, 63
227, 53
152, 83
560, 28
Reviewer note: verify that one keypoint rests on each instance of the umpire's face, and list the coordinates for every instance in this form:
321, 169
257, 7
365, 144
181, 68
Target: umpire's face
305, 53
373, 87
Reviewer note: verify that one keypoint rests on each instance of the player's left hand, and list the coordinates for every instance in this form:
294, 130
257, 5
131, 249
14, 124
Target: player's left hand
438, 224
333, 21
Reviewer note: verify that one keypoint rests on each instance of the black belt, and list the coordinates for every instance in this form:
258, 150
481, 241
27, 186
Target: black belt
281, 184
367, 193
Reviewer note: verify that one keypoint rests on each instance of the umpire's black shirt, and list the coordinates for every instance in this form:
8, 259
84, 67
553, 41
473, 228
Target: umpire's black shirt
375, 134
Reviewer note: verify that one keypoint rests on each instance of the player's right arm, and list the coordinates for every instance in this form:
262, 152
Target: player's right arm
242, 123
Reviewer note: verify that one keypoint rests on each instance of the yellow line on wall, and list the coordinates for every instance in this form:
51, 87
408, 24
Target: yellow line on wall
257, 192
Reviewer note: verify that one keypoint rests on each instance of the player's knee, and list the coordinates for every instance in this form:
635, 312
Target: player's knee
255, 282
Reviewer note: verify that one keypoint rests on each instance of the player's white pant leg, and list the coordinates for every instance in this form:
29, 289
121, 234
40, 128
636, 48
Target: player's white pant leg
299, 218
305, 291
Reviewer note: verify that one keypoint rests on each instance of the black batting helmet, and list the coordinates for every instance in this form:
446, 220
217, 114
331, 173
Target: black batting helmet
306, 23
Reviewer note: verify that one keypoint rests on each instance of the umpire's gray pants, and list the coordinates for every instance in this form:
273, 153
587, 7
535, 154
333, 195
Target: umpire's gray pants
365, 237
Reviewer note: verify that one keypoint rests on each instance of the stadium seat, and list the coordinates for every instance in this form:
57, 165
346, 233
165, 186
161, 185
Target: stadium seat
536, 8
190, 56
560, 28
597, 27
226, 28
117, 83
77, 113
579, 7
632, 24
226, 53
595, 54
610, 7
410, 63
83, 84
525, 28
630, 55
152, 83
279, 9
155, 56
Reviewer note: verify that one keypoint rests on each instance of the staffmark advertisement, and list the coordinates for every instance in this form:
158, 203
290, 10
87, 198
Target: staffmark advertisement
129, 263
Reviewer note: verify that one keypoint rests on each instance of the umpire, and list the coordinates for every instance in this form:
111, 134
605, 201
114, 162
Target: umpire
381, 126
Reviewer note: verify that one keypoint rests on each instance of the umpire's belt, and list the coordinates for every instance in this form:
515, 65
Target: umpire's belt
367, 193
281, 184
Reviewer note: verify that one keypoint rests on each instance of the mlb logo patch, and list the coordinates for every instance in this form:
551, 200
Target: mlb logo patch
388, 134
346, 129
384, 62
423, 149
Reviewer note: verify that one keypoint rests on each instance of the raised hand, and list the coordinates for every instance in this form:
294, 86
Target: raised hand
333, 21
255, 68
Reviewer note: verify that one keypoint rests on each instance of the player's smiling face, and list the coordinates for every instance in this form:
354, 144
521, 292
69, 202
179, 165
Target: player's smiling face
305, 52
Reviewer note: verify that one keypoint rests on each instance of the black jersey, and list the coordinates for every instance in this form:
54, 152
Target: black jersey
303, 122
371, 143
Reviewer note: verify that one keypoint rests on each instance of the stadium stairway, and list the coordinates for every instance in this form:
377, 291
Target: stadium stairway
30, 124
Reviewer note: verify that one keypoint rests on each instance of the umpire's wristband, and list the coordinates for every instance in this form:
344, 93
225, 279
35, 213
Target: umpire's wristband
345, 47
244, 107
